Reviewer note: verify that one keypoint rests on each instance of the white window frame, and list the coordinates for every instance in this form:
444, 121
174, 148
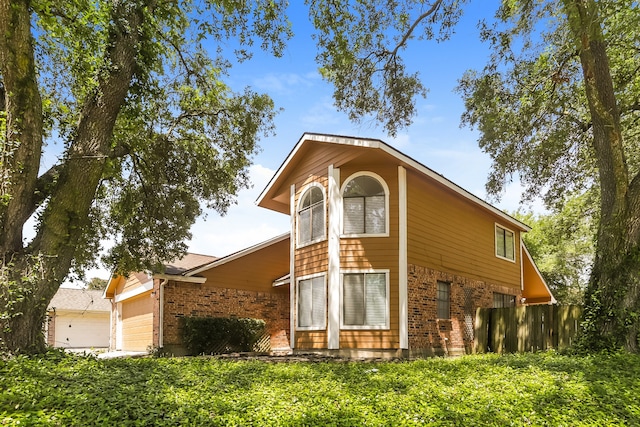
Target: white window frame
387, 302
324, 215
495, 229
324, 317
385, 187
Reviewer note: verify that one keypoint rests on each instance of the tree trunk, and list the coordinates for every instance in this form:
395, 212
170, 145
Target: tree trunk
31, 276
612, 306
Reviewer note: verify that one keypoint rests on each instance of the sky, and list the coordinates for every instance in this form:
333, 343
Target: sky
435, 138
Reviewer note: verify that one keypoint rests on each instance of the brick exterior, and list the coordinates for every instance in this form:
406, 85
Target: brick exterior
200, 300
429, 335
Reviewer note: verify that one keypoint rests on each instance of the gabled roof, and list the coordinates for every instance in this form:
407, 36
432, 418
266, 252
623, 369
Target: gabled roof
187, 262
175, 267
79, 300
308, 138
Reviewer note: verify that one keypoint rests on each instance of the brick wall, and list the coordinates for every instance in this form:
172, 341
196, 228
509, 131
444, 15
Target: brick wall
429, 335
201, 300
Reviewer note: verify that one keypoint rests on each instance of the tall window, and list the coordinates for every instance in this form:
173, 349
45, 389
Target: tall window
365, 301
505, 243
311, 216
364, 204
443, 298
312, 303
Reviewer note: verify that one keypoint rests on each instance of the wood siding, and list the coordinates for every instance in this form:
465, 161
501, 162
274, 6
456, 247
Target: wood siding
137, 323
448, 233
253, 272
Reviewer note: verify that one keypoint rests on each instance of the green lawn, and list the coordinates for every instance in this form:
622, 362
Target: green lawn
530, 389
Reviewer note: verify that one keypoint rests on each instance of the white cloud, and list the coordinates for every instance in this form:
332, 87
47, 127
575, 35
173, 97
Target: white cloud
284, 83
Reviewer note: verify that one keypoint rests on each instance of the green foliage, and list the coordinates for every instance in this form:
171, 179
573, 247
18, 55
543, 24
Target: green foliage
562, 243
214, 335
544, 389
359, 53
97, 283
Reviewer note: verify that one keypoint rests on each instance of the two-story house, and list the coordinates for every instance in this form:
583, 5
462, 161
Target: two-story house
384, 256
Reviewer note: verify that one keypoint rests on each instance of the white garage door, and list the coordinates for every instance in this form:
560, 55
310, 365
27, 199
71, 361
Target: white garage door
78, 330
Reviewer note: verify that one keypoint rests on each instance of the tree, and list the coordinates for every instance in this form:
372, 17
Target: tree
562, 245
145, 126
558, 104
97, 284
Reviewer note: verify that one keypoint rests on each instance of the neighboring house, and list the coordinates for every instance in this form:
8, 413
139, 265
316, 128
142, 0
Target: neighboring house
78, 318
386, 257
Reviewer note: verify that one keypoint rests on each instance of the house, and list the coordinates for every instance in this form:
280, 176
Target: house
384, 257
78, 318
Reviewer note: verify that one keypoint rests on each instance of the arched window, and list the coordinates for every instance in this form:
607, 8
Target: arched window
311, 216
364, 206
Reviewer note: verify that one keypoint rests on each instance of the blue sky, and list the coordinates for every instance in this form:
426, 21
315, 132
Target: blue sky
435, 139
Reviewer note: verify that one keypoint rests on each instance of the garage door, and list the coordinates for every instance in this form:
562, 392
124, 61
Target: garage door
81, 330
137, 323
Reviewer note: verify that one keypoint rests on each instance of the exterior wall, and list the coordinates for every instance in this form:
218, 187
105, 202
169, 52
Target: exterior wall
137, 322
204, 300
429, 335
363, 253
447, 233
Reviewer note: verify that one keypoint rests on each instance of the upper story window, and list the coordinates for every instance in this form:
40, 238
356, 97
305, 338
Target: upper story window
505, 243
311, 216
365, 206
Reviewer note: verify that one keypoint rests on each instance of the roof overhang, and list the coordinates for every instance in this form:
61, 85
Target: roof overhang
266, 198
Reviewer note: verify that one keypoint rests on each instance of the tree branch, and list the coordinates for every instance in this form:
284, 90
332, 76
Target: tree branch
419, 19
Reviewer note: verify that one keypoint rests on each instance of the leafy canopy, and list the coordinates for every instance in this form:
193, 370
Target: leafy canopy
182, 135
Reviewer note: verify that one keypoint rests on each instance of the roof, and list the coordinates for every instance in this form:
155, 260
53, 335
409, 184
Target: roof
175, 267
79, 300
187, 262
307, 138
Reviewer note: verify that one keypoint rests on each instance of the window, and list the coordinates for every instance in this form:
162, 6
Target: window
312, 303
503, 300
311, 216
505, 243
364, 206
365, 301
443, 298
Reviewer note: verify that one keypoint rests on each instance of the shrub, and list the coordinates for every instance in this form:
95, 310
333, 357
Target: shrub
216, 335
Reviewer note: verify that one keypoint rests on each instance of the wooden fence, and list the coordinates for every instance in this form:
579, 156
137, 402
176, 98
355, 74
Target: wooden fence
526, 328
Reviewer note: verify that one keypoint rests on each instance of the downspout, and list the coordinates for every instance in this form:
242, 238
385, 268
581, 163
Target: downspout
161, 314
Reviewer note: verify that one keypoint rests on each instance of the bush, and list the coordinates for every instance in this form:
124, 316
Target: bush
217, 335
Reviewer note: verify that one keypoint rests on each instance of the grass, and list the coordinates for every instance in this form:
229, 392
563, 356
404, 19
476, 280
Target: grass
484, 390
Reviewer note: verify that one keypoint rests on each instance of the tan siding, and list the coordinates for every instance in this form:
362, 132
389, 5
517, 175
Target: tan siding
311, 339
451, 234
253, 272
137, 323
312, 259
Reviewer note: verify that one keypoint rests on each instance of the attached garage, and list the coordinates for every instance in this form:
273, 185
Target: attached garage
136, 323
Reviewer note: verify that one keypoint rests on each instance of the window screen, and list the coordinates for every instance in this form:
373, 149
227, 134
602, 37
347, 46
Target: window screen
444, 309
311, 216
311, 303
365, 299
364, 206
505, 243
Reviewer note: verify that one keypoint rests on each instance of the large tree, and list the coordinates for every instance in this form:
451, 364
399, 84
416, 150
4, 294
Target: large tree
142, 126
558, 104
